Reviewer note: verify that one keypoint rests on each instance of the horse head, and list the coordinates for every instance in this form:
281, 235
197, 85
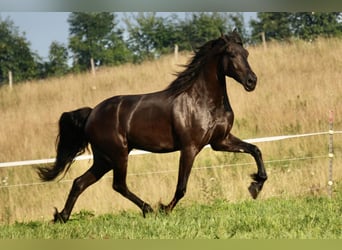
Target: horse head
234, 61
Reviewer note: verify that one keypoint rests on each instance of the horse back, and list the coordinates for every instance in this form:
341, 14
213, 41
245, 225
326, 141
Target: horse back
134, 121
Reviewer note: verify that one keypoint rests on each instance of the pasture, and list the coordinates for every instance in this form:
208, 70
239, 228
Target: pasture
298, 83
274, 218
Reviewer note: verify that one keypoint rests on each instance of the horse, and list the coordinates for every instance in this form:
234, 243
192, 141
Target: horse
190, 113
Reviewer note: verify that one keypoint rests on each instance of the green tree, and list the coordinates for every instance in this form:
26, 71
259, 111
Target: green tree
15, 54
310, 25
237, 21
150, 36
58, 60
276, 25
202, 27
95, 36
302, 25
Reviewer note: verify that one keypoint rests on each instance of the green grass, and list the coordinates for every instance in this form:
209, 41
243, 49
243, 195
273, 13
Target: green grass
274, 218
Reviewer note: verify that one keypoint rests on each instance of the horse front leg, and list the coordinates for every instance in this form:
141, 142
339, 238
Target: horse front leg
234, 144
185, 164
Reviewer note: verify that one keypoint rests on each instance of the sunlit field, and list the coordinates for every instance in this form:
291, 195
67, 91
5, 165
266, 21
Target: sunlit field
298, 84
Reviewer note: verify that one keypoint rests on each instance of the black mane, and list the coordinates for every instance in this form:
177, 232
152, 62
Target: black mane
186, 78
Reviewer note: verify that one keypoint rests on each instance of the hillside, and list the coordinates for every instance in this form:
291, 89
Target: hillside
298, 84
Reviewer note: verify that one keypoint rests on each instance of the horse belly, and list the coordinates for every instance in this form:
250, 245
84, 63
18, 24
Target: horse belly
151, 130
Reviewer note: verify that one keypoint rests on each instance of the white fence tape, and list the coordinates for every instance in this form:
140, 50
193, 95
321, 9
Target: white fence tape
140, 152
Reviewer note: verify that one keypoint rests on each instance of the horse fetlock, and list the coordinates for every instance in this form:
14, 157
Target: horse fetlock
146, 209
254, 189
164, 209
59, 217
259, 177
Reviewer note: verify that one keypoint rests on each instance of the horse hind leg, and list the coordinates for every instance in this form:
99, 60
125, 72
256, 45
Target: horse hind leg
98, 169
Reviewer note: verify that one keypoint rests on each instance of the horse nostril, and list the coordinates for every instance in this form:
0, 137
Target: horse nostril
251, 82
252, 79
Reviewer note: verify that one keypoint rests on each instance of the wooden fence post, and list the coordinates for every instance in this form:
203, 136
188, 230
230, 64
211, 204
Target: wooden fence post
10, 79
263, 38
176, 52
92, 66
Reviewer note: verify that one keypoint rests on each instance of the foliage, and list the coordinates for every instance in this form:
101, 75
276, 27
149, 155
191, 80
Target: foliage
308, 26
94, 35
149, 35
200, 28
274, 24
302, 25
15, 54
58, 60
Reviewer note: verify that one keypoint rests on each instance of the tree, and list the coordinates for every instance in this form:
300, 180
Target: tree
310, 25
202, 27
95, 36
58, 60
276, 25
302, 25
237, 21
15, 54
150, 36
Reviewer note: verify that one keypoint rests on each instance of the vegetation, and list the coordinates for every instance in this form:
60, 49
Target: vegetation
98, 37
14, 46
301, 25
276, 218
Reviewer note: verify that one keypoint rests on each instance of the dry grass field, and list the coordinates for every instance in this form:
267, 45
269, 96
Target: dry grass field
298, 84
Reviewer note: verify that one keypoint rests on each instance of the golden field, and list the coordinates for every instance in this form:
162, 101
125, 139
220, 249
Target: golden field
298, 84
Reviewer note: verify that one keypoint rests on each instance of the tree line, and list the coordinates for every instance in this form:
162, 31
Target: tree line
99, 39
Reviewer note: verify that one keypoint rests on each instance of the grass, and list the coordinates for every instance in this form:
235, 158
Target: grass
275, 218
298, 83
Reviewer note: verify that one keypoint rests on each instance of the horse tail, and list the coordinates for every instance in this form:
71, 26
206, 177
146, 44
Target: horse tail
71, 142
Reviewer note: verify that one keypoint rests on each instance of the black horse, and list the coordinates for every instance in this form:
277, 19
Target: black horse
191, 112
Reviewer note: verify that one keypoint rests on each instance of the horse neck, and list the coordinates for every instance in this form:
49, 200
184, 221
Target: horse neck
212, 84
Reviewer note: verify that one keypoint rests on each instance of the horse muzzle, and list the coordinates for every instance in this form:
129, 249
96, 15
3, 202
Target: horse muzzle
250, 82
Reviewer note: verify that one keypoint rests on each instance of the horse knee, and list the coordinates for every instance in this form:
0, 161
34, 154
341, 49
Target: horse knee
255, 151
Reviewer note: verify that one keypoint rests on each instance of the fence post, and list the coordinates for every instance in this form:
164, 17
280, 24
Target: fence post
176, 52
92, 66
263, 38
10, 79
331, 153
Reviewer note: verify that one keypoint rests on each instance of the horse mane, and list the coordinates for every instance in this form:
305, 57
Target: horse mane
186, 78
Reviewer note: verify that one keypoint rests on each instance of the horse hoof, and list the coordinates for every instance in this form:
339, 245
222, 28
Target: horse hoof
254, 189
58, 217
163, 209
146, 210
